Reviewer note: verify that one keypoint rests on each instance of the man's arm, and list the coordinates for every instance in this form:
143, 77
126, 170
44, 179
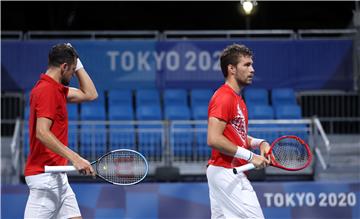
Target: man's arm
86, 91
217, 140
46, 137
262, 144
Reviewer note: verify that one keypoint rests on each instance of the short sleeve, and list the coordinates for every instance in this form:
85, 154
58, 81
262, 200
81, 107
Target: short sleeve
221, 107
46, 104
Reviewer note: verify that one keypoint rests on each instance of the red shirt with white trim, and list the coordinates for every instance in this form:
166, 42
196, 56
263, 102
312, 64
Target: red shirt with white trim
228, 106
47, 99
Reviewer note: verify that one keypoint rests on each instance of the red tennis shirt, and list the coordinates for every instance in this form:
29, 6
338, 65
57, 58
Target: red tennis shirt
47, 99
228, 106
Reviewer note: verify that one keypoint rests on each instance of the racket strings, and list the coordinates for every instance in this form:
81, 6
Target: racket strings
122, 167
290, 153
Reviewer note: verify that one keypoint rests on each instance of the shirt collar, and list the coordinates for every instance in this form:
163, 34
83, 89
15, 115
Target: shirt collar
49, 79
228, 86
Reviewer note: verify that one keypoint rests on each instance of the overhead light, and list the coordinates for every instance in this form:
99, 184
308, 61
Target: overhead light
248, 6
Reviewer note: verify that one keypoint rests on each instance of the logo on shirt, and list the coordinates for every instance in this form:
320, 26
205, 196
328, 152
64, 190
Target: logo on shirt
238, 123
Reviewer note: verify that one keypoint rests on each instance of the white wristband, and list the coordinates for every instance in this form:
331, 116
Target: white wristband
244, 154
78, 65
256, 142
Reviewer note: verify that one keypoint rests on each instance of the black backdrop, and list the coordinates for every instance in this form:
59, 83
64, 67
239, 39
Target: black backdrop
170, 15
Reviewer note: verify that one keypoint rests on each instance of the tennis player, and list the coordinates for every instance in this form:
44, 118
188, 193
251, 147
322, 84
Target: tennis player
232, 196
50, 193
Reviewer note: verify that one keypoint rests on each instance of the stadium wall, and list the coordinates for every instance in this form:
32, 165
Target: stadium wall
299, 64
191, 200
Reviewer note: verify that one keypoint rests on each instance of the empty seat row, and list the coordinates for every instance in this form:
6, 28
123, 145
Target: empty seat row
147, 112
273, 131
274, 112
94, 138
279, 96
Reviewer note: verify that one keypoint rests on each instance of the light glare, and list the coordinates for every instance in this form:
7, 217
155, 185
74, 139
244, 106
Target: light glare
247, 6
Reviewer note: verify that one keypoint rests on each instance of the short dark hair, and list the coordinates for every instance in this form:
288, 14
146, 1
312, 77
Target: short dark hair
62, 53
231, 54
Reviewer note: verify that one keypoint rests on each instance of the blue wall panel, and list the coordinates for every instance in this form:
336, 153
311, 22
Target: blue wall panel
300, 64
191, 200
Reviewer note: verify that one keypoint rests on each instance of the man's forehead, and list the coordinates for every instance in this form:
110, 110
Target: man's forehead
245, 58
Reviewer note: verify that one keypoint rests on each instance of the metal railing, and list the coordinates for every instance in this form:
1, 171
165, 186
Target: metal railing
178, 143
227, 34
12, 35
320, 33
319, 154
93, 35
15, 153
12, 105
339, 111
181, 34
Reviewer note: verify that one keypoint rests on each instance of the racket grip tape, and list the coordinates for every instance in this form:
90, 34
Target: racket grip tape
243, 168
59, 169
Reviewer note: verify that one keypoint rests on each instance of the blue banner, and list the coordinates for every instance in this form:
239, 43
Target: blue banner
299, 64
297, 200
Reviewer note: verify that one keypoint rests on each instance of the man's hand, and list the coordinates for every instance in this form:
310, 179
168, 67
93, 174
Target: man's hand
264, 149
83, 166
260, 161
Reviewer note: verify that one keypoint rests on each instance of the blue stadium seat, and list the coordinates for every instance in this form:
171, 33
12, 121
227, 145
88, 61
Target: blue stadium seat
200, 112
121, 112
72, 110
288, 112
256, 96
283, 96
264, 131
93, 136
149, 112
120, 97
181, 135
150, 135
200, 96
177, 113
73, 117
175, 97
202, 149
121, 135
260, 112
291, 112
147, 97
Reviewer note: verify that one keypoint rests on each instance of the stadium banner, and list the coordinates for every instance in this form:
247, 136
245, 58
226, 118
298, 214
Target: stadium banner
297, 200
299, 64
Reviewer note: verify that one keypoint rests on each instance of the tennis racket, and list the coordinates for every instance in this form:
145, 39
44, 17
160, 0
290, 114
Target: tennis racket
119, 167
287, 152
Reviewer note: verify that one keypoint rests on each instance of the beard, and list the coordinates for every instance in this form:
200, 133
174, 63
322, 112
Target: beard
65, 82
243, 83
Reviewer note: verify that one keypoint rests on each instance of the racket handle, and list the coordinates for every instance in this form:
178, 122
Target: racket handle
59, 169
243, 168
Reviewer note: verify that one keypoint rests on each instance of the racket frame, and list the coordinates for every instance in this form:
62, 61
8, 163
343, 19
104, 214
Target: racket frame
57, 169
123, 184
276, 164
273, 163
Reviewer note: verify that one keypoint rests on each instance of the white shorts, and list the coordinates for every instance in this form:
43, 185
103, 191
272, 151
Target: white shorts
50, 197
231, 196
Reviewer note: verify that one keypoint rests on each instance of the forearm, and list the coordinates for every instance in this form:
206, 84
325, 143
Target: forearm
86, 85
222, 144
255, 143
50, 141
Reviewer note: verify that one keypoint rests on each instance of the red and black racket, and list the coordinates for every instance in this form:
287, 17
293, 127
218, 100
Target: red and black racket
287, 152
